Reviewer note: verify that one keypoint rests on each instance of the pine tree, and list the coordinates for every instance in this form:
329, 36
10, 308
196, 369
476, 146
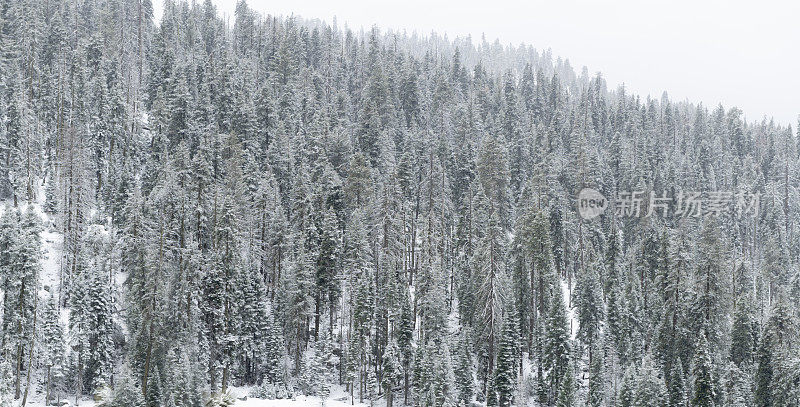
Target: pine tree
566, 390
788, 384
703, 393
6, 383
557, 348
650, 389
297, 291
21, 268
91, 328
274, 353
154, 397
677, 385
596, 390
534, 235
52, 344
126, 392
765, 372
738, 389
392, 372
327, 280
589, 303
505, 375
627, 392
314, 374
743, 336
710, 300
490, 265
464, 371
424, 371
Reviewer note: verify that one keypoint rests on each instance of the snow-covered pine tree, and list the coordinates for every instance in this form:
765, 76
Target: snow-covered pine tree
464, 372
51, 344
20, 266
650, 388
489, 263
565, 396
703, 391
392, 372
677, 385
6, 383
505, 375
127, 392
557, 349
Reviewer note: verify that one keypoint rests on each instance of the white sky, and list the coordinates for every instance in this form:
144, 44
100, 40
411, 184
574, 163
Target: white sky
744, 54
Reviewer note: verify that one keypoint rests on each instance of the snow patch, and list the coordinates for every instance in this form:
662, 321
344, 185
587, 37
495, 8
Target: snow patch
338, 398
572, 316
52, 244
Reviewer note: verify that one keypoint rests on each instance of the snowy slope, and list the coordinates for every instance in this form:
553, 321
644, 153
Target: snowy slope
49, 282
300, 401
572, 317
338, 398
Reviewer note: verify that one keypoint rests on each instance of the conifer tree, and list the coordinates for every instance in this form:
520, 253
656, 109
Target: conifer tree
52, 344
650, 389
464, 371
565, 397
677, 385
703, 393
271, 200
557, 348
505, 376
765, 372
743, 336
6, 383
392, 372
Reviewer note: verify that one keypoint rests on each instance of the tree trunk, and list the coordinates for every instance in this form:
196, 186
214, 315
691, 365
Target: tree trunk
30, 352
47, 389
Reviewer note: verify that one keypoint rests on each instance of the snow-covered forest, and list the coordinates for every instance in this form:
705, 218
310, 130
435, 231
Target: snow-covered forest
261, 210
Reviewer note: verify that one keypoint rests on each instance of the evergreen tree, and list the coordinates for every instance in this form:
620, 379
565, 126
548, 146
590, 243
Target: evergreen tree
650, 389
392, 372
52, 344
126, 392
465, 381
557, 348
566, 391
703, 393
765, 373
677, 385
270, 201
505, 375
743, 336
6, 383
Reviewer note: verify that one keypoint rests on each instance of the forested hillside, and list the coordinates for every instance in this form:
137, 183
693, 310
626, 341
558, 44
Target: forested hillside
198, 205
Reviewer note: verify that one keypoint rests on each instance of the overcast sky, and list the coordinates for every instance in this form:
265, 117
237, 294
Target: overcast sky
744, 54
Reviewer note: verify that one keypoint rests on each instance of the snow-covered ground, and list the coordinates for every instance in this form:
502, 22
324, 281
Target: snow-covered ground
39, 402
338, 398
572, 317
52, 242
300, 401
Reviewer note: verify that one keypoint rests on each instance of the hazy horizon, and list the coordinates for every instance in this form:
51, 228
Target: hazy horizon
716, 52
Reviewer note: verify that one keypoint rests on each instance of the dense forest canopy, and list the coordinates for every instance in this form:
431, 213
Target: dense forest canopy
196, 204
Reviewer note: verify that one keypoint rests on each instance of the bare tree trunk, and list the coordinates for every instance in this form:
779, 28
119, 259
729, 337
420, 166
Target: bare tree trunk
18, 369
30, 352
18, 366
47, 389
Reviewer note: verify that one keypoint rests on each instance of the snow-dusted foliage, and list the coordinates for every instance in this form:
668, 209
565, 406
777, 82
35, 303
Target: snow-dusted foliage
270, 211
